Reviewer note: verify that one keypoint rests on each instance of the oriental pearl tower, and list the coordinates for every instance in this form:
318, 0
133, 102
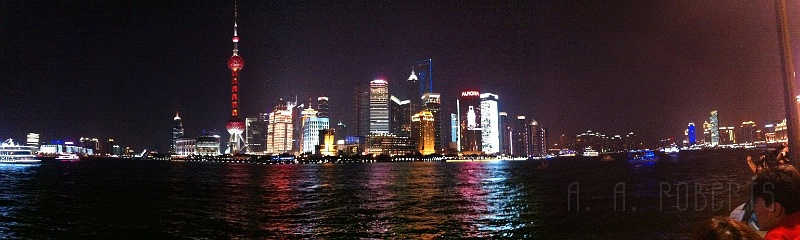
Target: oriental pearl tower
235, 126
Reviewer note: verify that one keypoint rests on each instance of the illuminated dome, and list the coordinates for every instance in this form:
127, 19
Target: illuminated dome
235, 39
235, 63
235, 126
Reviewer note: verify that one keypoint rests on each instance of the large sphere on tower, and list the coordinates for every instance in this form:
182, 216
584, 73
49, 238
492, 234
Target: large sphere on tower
235, 126
235, 63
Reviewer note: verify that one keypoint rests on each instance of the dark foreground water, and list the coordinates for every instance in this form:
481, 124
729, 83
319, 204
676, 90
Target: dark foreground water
574, 198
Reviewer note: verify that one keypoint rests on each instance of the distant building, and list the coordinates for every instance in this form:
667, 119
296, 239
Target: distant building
505, 133
691, 136
469, 110
538, 139
312, 125
177, 131
341, 131
714, 128
522, 148
425, 140
91, 146
616, 144
727, 135
256, 134
490, 129
280, 130
389, 144
747, 132
207, 144
400, 120
322, 108
361, 107
632, 142
327, 142
379, 107
587, 140
432, 103
184, 147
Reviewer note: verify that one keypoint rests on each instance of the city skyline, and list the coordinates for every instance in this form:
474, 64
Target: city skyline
99, 70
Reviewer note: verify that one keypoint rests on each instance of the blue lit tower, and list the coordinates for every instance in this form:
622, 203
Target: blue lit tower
425, 76
691, 134
235, 126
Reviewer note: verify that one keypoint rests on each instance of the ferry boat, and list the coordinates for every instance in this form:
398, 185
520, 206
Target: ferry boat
589, 152
642, 156
12, 153
68, 157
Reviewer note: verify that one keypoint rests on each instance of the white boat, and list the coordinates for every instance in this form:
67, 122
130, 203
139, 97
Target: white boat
589, 152
12, 153
68, 157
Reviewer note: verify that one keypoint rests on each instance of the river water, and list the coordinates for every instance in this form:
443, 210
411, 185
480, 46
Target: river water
572, 198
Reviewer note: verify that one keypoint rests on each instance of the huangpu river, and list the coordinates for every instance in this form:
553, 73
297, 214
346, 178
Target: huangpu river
571, 198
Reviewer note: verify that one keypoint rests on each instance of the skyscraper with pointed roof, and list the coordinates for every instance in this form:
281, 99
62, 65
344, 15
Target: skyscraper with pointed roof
235, 126
177, 132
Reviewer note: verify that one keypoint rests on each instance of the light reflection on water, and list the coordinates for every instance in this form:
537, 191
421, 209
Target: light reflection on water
124, 199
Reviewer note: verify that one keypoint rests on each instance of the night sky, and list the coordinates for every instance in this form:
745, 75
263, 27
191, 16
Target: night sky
121, 70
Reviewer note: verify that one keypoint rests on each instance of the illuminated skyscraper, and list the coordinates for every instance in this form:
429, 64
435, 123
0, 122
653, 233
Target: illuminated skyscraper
341, 131
538, 139
714, 121
454, 131
469, 110
207, 144
432, 103
256, 134
311, 129
361, 106
691, 135
425, 76
505, 133
280, 130
235, 126
322, 107
426, 141
327, 143
490, 129
521, 146
177, 131
748, 132
400, 120
379, 107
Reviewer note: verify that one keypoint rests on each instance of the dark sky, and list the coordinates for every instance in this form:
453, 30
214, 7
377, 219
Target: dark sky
121, 70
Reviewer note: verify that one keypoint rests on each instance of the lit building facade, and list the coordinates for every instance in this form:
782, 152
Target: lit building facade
632, 142
256, 134
379, 107
538, 139
327, 142
432, 103
91, 146
400, 120
521, 146
426, 141
183, 147
177, 131
470, 131
490, 129
588, 140
727, 135
280, 130
208, 144
505, 133
312, 126
748, 132
323, 111
713, 120
389, 144
691, 136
